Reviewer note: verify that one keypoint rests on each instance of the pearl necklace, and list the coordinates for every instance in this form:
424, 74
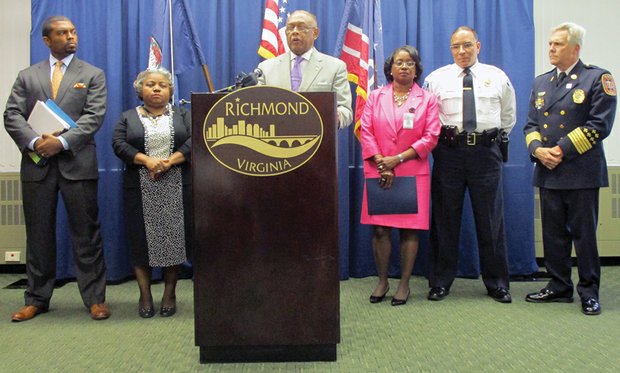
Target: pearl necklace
400, 100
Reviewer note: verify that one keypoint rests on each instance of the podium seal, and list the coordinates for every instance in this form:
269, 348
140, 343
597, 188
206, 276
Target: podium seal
263, 131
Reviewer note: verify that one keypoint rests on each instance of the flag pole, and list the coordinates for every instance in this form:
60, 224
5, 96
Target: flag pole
205, 71
171, 43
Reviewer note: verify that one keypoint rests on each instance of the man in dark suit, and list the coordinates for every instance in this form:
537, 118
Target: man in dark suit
67, 163
318, 72
572, 109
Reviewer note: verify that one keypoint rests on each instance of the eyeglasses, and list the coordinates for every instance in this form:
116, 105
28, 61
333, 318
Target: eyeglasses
409, 64
300, 28
466, 46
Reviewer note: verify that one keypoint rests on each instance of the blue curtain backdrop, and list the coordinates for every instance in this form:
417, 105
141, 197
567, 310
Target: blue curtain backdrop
114, 35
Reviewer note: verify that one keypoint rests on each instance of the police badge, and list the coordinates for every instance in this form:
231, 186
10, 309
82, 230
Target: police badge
578, 96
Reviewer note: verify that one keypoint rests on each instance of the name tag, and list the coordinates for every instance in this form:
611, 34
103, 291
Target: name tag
408, 121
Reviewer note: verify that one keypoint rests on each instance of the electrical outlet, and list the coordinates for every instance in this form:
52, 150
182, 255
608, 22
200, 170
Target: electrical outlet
12, 256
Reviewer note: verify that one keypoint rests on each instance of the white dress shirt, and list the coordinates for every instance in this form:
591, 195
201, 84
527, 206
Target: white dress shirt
495, 96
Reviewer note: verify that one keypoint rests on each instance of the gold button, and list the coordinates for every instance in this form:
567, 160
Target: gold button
562, 112
545, 125
561, 126
546, 113
545, 138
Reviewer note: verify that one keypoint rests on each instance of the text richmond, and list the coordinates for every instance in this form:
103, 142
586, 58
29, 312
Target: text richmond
264, 108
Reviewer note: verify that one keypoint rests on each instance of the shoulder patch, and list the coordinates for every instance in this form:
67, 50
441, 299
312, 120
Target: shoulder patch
609, 86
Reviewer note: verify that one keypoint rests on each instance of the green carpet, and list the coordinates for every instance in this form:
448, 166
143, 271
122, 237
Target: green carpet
467, 332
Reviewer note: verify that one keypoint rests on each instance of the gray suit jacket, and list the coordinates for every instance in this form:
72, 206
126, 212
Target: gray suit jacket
322, 73
82, 95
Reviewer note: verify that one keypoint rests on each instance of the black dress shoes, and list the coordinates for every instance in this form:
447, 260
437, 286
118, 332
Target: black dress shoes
438, 293
146, 312
590, 307
378, 299
501, 295
167, 311
400, 302
547, 296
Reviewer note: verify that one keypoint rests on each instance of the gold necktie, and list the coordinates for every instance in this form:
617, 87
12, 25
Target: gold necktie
56, 78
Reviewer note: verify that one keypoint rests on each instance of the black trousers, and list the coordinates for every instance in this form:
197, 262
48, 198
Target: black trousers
477, 169
40, 201
571, 217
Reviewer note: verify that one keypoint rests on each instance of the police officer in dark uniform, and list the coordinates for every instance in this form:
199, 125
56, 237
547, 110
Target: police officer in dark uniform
476, 104
572, 109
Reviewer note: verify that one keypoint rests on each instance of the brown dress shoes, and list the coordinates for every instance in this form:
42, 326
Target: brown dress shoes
26, 313
99, 311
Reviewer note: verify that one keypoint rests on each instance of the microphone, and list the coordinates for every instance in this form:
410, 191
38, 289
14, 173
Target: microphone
228, 89
243, 80
251, 79
184, 101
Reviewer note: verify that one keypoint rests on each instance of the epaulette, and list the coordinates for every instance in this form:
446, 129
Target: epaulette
588, 66
548, 72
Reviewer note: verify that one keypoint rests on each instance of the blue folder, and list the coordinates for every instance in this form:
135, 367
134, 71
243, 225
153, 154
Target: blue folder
64, 116
400, 198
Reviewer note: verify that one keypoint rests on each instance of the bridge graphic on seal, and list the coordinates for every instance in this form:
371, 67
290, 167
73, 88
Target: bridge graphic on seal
220, 130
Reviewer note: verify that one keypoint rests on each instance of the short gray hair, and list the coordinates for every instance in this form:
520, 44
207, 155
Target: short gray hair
307, 13
138, 84
576, 33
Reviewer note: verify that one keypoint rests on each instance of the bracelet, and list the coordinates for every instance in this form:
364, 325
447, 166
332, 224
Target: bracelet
400, 156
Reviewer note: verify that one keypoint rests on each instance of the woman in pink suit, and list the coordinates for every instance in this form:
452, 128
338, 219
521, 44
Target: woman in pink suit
399, 129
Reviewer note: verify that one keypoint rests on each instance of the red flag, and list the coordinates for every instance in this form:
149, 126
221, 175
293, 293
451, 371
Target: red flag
360, 46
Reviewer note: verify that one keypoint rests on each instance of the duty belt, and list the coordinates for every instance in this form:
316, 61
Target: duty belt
449, 136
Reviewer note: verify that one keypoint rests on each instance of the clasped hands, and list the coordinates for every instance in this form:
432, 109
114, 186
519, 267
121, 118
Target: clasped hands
385, 167
157, 167
549, 157
48, 145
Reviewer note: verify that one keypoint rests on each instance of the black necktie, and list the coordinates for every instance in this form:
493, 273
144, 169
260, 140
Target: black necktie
469, 103
560, 78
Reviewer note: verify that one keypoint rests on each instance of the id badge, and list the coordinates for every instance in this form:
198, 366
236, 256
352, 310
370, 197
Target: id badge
408, 121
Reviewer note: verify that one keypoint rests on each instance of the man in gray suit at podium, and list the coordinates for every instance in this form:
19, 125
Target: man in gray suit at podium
305, 69
66, 162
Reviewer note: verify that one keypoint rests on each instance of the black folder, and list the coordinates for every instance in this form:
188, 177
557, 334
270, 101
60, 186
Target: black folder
400, 198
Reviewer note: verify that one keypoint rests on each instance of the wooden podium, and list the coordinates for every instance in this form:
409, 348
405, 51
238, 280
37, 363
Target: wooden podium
265, 234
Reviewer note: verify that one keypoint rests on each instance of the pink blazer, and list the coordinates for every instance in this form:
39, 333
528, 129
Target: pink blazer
380, 133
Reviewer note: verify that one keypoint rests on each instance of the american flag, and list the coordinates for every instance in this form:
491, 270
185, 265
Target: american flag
360, 46
273, 39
